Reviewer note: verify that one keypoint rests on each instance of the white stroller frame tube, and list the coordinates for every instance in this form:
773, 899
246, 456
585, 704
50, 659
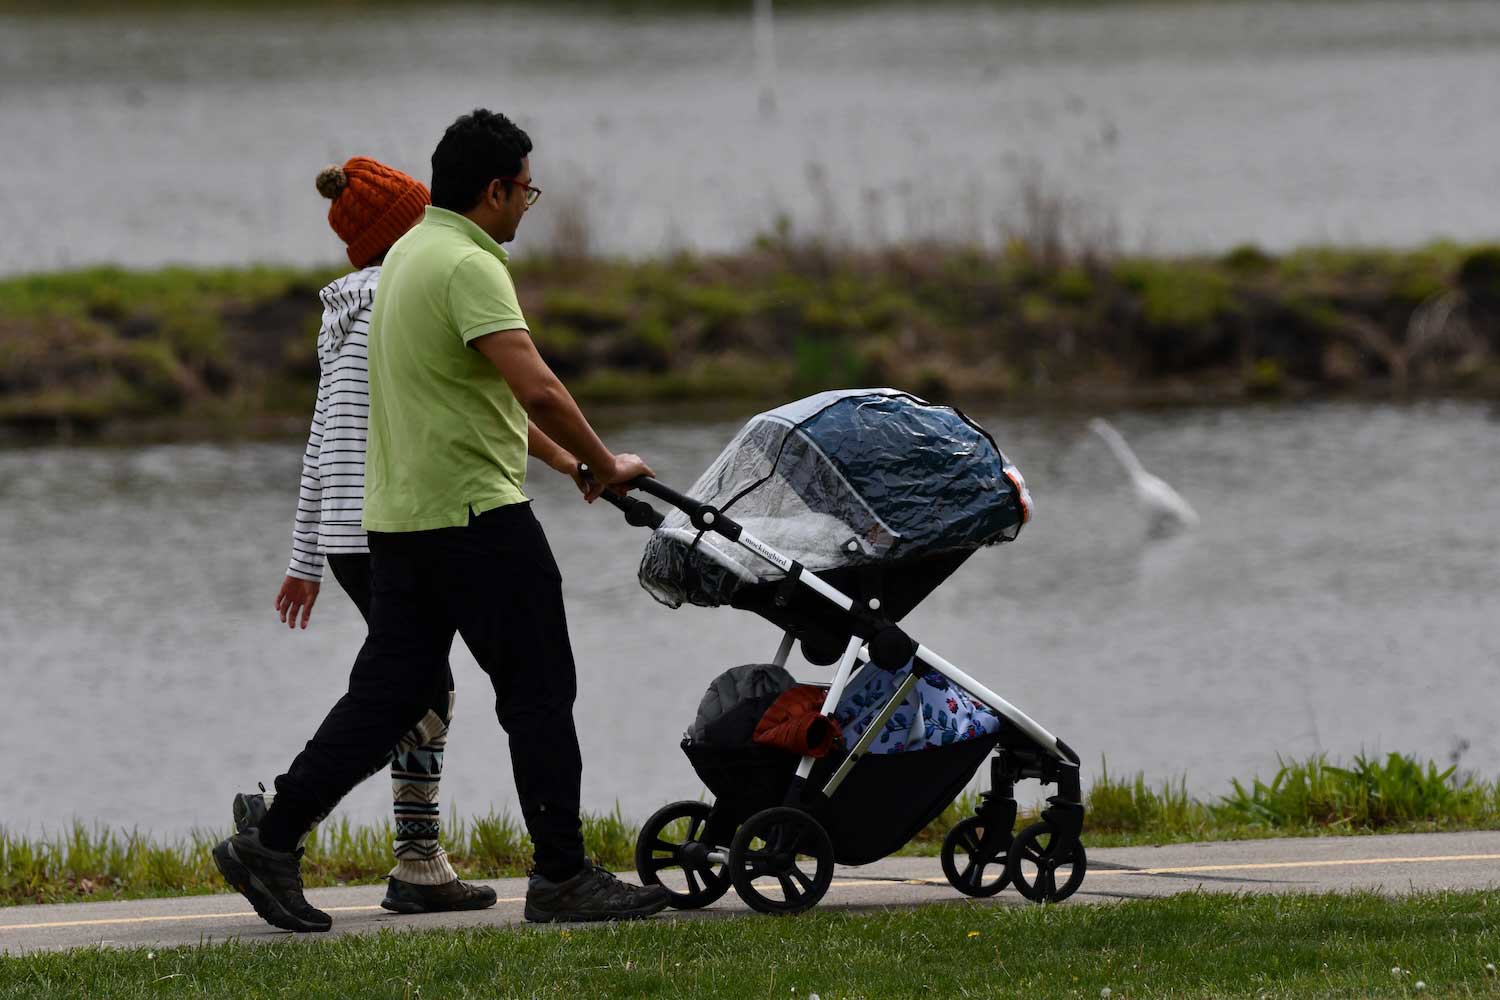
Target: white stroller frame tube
835, 691
785, 649
868, 736
1012, 714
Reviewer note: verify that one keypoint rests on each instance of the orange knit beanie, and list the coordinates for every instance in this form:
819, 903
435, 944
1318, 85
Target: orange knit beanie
373, 205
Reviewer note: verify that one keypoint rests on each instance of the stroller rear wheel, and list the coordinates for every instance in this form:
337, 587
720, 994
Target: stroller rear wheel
1040, 873
780, 843
971, 847
670, 853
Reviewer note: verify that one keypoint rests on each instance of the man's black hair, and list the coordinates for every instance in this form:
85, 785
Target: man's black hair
475, 150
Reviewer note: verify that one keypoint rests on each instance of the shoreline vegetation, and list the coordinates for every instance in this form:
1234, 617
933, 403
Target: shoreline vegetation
1310, 797
182, 352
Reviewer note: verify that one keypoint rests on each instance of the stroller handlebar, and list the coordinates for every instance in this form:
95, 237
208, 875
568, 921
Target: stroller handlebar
704, 517
638, 513
661, 491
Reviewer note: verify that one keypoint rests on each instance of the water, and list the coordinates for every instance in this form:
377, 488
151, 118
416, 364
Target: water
1340, 596
194, 137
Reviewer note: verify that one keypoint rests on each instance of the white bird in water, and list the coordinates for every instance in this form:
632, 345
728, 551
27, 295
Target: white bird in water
1167, 510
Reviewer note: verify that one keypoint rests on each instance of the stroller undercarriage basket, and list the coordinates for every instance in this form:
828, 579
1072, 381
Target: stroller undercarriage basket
865, 820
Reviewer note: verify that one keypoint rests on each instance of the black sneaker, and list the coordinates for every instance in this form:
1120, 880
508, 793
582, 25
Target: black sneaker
271, 880
411, 897
592, 894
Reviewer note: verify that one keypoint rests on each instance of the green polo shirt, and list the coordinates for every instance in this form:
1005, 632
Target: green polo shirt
446, 434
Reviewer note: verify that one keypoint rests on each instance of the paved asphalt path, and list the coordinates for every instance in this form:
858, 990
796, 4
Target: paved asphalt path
1391, 864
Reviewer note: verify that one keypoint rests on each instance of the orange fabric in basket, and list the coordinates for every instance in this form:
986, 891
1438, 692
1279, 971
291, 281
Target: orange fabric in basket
795, 722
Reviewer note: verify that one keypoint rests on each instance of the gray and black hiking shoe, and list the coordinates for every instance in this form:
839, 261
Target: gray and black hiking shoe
411, 897
271, 880
592, 894
249, 808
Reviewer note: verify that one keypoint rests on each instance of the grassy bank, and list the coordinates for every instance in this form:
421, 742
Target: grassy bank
1194, 945
1035, 321
1305, 798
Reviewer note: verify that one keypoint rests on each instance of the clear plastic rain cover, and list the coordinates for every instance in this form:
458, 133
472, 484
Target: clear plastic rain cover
842, 478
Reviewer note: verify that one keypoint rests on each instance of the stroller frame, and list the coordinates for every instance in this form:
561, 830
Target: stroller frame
1031, 860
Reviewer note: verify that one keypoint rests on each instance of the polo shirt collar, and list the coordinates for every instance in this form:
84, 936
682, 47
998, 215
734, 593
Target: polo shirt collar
465, 225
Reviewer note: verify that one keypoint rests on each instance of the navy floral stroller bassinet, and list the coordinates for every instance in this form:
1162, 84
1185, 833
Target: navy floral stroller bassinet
833, 517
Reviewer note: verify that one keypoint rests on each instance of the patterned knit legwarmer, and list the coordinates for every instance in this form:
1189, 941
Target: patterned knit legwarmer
415, 773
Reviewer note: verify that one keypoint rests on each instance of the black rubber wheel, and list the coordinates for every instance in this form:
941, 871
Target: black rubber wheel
670, 854
781, 843
971, 847
1038, 874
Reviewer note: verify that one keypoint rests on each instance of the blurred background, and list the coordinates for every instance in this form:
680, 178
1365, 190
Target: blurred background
1256, 235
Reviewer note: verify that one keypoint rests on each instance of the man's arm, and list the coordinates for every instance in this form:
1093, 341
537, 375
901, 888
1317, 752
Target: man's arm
555, 456
552, 409
548, 451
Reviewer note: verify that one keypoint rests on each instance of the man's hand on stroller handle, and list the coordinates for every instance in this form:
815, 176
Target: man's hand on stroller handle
628, 470
638, 513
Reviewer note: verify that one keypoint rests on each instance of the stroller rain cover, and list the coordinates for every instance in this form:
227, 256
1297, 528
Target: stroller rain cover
843, 478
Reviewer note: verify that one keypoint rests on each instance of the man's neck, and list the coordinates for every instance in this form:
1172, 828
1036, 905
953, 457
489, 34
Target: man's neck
481, 219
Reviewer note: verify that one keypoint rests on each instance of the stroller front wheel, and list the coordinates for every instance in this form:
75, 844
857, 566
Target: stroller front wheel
971, 847
1041, 873
777, 843
671, 839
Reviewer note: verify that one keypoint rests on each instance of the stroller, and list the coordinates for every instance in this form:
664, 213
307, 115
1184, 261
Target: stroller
833, 517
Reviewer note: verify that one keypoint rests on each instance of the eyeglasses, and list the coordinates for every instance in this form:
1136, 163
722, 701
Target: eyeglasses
532, 193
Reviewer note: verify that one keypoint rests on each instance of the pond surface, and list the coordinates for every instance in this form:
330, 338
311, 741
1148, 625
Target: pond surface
1340, 596
194, 137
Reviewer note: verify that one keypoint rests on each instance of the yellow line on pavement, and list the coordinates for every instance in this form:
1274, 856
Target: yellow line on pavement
1330, 863
103, 921
837, 883
150, 920
1266, 865
187, 916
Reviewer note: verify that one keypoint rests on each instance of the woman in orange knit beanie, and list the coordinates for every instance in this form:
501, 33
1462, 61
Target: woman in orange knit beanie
373, 206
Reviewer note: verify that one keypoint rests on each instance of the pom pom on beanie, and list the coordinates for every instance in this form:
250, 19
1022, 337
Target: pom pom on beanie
331, 180
373, 205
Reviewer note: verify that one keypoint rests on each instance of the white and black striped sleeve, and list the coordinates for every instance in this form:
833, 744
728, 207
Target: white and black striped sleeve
307, 561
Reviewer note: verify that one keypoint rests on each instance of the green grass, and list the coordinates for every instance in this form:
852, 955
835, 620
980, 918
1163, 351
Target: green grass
1190, 945
1312, 797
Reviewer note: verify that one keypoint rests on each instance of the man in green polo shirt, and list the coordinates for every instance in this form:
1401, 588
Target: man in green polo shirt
458, 398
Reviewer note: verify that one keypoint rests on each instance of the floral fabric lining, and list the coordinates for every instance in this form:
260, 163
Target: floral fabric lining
937, 712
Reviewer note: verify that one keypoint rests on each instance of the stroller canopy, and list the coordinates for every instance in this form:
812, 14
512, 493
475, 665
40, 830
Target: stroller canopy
846, 478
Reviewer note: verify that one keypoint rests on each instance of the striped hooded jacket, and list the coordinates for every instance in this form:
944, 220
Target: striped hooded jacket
331, 499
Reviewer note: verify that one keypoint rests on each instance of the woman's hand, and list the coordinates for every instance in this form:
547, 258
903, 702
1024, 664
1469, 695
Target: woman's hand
296, 595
